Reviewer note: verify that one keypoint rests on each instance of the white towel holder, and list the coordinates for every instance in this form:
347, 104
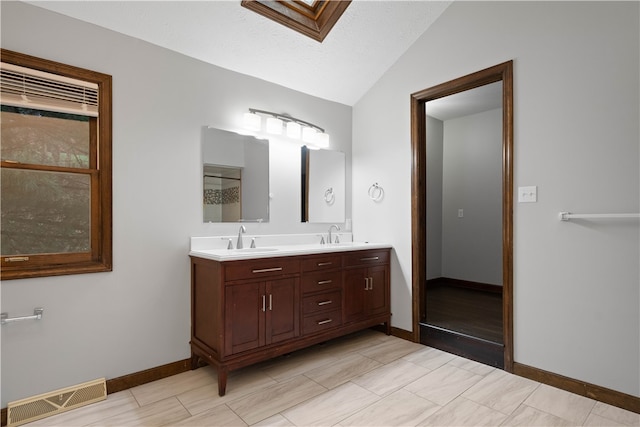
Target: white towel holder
566, 216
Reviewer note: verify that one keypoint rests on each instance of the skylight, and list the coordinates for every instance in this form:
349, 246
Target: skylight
313, 18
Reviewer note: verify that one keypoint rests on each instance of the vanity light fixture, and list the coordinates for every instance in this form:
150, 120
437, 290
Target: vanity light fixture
314, 136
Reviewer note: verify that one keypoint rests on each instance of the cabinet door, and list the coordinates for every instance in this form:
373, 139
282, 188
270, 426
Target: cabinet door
376, 294
283, 310
244, 317
354, 286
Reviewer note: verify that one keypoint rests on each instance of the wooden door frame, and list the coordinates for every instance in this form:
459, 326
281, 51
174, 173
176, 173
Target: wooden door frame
501, 72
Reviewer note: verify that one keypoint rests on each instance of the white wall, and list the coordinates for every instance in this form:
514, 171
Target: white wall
137, 317
576, 109
472, 181
435, 140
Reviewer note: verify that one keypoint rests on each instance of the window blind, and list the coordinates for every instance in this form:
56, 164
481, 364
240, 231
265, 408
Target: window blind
28, 88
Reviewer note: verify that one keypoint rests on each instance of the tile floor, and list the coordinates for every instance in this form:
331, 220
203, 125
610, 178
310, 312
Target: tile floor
366, 379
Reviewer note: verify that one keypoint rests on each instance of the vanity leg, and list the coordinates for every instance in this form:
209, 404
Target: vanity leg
194, 361
222, 380
387, 324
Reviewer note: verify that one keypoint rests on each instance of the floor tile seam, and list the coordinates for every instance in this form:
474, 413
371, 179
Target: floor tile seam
568, 422
612, 422
193, 414
502, 392
132, 410
281, 412
183, 407
262, 389
234, 412
299, 373
592, 401
420, 397
379, 398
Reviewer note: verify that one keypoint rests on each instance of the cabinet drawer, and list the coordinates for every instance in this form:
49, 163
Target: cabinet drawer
319, 263
366, 258
258, 268
322, 321
316, 282
322, 302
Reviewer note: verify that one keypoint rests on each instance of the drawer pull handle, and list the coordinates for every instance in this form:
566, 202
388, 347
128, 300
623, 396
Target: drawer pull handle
371, 258
267, 270
324, 282
322, 264
324, 322
325, 302
16, 259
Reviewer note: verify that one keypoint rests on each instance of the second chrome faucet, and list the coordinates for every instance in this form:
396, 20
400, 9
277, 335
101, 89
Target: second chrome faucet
331, 227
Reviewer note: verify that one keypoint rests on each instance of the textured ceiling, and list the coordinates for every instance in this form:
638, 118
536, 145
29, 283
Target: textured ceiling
369, 37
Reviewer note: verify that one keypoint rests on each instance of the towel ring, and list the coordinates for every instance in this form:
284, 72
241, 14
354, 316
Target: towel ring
376, 192
329, 196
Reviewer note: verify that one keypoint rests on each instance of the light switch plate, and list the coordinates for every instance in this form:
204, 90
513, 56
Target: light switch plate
528, 194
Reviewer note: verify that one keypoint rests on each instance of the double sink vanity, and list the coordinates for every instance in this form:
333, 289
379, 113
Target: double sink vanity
286, 293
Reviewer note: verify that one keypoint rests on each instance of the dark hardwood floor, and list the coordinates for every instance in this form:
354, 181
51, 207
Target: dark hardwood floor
467, 311
463, 321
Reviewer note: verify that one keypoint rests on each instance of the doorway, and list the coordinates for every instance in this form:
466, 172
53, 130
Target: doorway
463, 295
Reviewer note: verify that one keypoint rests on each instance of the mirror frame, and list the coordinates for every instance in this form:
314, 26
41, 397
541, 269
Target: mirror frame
501, 72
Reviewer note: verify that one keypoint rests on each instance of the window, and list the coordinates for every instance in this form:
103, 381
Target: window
55, 205
312, 18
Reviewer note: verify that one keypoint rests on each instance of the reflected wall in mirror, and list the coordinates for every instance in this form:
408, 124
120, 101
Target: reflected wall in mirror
323, 185
235, 174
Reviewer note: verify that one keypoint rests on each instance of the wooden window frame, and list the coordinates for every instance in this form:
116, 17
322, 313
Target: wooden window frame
100, 257
314, 21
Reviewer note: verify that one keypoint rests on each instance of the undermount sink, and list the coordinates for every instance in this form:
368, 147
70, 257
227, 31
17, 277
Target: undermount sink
255, 250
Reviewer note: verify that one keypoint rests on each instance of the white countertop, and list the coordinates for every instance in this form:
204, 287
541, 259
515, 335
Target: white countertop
270, 251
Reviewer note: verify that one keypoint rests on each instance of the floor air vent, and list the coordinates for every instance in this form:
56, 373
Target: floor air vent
37, 407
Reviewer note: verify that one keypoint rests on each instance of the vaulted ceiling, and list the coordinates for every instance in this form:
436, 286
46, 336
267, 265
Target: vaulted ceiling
367, 39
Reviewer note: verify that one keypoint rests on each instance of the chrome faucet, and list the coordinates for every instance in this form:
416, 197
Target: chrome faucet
330, 228
242, 230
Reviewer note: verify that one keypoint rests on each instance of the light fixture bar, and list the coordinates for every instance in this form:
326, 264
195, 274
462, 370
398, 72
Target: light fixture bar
286, 118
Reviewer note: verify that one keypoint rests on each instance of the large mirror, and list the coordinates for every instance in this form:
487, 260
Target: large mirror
235, 176
323, 185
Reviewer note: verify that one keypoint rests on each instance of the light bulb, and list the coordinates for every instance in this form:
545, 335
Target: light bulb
309, 135
274, 125
252, 122
322, 140
293, 130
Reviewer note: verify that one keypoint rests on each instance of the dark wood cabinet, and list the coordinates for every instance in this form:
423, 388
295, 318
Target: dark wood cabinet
247, 311
366, 279
260, 313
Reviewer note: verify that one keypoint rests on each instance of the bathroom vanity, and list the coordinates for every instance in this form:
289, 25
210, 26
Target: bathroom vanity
255, 304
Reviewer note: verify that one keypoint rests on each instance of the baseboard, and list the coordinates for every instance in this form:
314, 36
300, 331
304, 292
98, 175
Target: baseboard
149, 375
467, 284
401, 333
132, 380
601, 394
